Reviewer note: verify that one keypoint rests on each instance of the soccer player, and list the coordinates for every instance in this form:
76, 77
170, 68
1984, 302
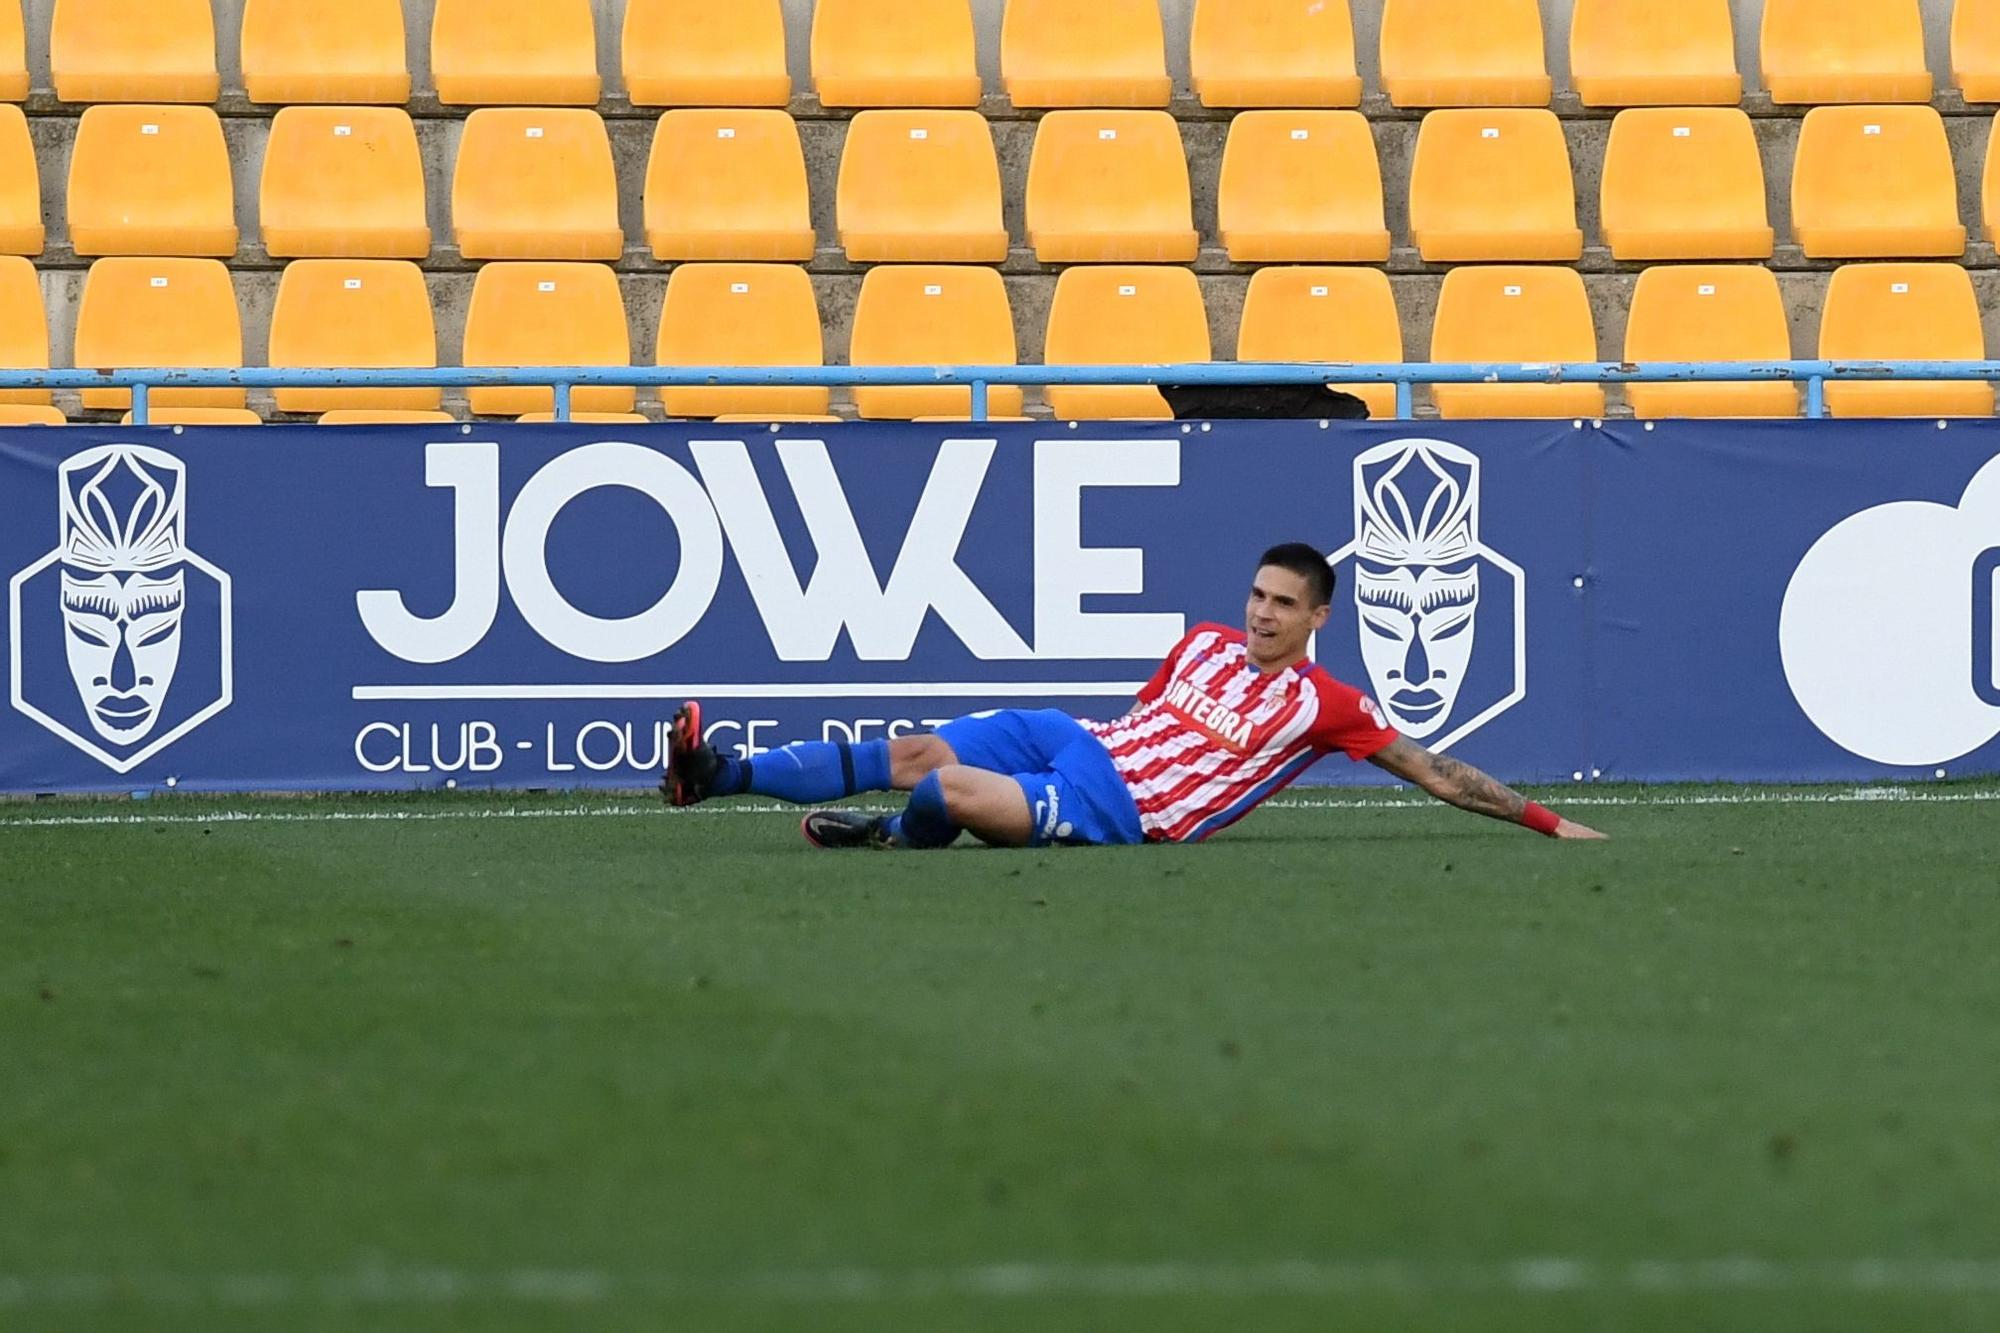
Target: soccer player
1229, 719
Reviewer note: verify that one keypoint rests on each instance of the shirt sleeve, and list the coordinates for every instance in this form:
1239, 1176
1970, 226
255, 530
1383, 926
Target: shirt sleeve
1350, 722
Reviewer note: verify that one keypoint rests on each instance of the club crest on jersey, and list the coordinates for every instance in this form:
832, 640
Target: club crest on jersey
1437, 619
1222, 723
120, 636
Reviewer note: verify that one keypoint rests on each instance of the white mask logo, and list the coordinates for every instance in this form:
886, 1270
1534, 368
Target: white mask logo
1420, 574
123, 582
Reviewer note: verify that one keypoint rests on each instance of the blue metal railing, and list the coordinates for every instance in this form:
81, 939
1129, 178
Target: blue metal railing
563, 379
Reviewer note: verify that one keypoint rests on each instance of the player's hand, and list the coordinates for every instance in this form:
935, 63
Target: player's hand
1569, 828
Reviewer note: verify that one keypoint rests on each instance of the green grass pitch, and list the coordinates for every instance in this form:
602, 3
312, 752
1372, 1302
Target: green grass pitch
561, 1063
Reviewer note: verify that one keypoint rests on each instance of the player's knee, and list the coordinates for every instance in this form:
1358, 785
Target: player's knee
911, 758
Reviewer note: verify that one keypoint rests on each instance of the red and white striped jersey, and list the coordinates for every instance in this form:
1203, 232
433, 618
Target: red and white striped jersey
1212, 737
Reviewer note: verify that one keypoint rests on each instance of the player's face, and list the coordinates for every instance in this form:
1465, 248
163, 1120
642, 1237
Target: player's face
1281, 617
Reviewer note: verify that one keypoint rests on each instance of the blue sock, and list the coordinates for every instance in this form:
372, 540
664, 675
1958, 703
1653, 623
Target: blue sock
808, 773
925, 822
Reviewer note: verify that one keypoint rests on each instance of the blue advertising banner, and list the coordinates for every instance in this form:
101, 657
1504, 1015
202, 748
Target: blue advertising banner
513, 606
1788, 600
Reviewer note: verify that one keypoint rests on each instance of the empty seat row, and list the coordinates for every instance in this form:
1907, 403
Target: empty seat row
1053, 52
924, 186
157, 312
1677, 183
1675, 52
1511, 314
1686, 183
377, 313
337, 181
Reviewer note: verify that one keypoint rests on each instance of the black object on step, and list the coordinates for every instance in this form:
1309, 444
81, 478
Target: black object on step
1262, 402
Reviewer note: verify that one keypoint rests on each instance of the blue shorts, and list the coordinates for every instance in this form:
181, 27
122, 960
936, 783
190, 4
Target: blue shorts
1074, 790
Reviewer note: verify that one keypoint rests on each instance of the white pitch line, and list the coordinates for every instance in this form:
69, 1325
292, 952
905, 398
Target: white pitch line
1852, 796
1527, 1277
368, 816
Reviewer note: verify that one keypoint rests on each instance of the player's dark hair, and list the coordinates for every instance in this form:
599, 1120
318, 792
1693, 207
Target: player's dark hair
1307, 562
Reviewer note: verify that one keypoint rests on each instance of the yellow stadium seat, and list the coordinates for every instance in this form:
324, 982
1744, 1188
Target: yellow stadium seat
728, 185
775, 418
377, 416
151, 180
1101, 53
741, 315
588, 418
1875, 181
1975, 49
921, 186
1464, 53
1844, 51
932, 315
1325, 314
547, 315
699, 53
145, 314
1889, 312
1514, 314
24, 328
197, 416
1118, 315
343, 182
13, 53
361, 313
1709, 312
1493, 184
894, 53
22, 415
347, 51
122, 51
515, 52
1110, 185
1275, 53
1684, 183
1654, 53
21, 231
1302, 186
536, 184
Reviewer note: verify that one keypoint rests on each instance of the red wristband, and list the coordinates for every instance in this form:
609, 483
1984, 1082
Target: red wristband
1541, 819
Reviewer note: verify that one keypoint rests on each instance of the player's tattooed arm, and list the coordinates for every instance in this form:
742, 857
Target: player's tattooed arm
1452, 781
1457, 783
